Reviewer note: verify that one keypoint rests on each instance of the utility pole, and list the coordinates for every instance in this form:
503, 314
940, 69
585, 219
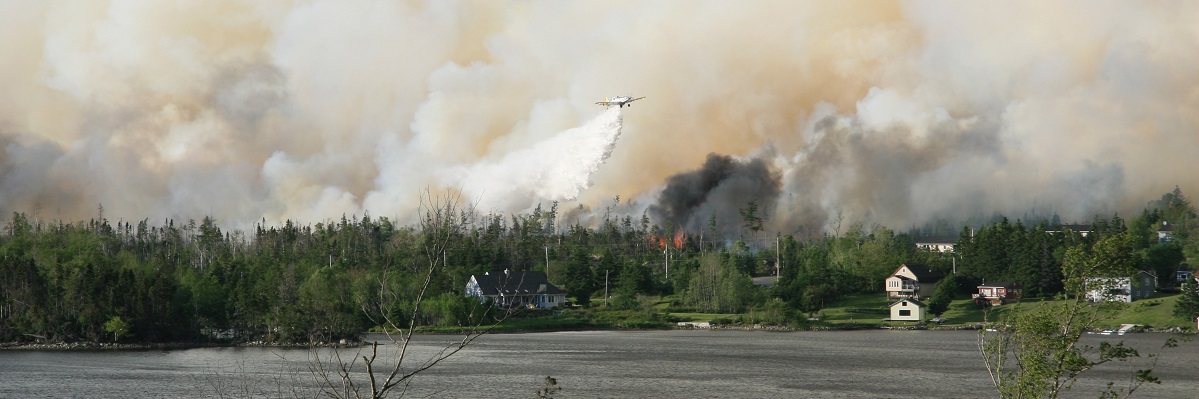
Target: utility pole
605, 287
778, 267
547, 262
667, 253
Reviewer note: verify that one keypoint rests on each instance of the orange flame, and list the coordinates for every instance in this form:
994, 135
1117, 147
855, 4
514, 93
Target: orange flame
660, 240
679, 239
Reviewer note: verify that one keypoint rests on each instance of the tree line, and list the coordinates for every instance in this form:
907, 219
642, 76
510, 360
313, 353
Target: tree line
169, 281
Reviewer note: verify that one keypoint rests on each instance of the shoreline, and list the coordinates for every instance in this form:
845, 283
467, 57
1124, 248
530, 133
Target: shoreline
107, 346
98, 346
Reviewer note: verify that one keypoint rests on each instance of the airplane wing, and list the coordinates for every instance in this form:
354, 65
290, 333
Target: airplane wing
619, 101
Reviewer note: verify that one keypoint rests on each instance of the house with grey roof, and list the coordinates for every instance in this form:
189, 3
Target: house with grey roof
516, 289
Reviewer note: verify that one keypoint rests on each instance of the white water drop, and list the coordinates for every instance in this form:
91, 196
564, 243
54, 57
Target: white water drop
559, 168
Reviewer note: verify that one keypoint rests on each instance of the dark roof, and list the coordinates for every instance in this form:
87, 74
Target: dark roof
1078, 228
938, 240
923, 273
999, 284
516, 283
913, 301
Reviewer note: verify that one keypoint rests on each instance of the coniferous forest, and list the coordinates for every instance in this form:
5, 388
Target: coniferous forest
169, 280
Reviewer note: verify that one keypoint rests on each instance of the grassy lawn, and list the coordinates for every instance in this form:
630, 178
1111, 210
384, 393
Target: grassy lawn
858, 309
865, 310
964, 311
1157, 311
663, 306
870, 309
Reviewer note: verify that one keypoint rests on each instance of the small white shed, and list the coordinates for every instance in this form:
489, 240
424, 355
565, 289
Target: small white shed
908, 310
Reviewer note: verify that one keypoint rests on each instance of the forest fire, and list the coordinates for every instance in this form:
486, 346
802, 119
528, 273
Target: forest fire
679, 239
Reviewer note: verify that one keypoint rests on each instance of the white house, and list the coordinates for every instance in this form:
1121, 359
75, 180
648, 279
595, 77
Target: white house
1165, 232
1081, 229
908, 310
1121, 289
516, 289
912, 281
936, 244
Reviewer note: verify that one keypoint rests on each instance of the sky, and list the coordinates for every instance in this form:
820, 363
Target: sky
821, 113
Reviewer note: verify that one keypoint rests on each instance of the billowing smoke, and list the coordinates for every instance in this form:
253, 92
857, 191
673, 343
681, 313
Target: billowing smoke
895, 113
715, 196
558, 168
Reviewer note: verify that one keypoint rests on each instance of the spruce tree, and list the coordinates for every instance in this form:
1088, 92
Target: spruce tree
941, 298
1187, 306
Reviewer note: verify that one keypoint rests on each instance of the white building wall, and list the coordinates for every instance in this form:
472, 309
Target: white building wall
914, 312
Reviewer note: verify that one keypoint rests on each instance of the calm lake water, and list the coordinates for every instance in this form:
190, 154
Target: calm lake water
600, 364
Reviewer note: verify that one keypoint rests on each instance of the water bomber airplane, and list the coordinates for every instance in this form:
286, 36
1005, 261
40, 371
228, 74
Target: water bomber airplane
622, 101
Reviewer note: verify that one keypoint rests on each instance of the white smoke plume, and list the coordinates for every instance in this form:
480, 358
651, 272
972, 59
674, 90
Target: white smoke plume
556, 169
881, 112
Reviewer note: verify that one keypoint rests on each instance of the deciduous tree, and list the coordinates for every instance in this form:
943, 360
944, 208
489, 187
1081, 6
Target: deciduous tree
1035, 352
442, 221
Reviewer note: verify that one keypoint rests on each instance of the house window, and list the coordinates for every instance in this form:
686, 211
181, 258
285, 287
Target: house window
905, 312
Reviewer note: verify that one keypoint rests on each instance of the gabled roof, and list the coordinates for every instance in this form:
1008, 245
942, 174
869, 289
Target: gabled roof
1077, 228
998, 284
938, 240
1138, 274
922, 273
515, 283
913, 301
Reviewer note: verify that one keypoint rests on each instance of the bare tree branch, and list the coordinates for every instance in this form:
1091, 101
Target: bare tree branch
442, 222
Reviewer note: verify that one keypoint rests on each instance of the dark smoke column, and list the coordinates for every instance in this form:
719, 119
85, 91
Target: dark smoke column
720, 188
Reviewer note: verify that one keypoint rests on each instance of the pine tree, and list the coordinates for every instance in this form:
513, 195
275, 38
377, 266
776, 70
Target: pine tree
941, 298
1187, 306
